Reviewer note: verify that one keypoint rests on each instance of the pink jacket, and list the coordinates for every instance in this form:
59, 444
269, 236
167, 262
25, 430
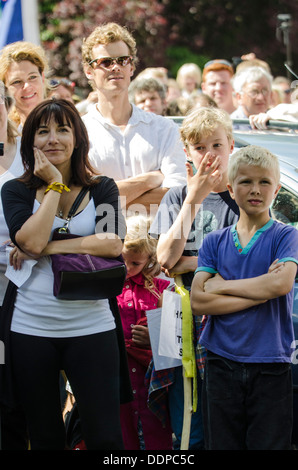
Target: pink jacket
133, 302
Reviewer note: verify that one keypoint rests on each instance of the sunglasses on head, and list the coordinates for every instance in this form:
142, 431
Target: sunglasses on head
218, 61
54, 82
107, 62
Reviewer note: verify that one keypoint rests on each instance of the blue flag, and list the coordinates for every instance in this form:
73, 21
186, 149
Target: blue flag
11, 25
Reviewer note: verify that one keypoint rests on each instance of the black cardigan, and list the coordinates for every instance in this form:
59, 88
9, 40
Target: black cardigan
101, 193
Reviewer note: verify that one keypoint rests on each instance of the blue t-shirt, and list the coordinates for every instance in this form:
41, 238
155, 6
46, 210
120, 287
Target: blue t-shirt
258, 334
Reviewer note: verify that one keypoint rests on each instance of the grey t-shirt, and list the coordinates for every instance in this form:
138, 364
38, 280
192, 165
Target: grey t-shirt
218, 210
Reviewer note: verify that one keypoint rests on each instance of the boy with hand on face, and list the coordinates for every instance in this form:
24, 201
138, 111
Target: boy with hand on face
244, 284
184, 218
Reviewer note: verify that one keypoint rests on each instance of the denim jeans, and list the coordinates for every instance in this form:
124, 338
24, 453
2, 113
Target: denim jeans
247, 405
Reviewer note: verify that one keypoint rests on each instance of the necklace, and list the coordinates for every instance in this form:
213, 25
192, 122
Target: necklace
60, 213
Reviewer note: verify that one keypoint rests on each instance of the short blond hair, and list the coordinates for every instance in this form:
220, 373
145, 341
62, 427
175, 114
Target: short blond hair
106, 34
255, 156
203, 122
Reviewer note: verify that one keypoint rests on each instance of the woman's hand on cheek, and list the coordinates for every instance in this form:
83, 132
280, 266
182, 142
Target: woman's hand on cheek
44, 169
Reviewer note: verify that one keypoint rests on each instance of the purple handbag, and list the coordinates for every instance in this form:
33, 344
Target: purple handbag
85, 277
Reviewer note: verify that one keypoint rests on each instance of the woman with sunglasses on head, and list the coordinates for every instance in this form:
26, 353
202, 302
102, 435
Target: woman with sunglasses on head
61, 88
23, 69
48, 334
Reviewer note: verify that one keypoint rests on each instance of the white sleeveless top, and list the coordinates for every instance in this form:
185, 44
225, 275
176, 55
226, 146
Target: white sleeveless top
15, 170
37, 312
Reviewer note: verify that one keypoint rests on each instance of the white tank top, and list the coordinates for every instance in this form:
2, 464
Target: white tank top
37, 312
15, 170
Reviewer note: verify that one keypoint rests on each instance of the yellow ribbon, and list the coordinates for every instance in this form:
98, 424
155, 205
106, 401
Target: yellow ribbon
188, 352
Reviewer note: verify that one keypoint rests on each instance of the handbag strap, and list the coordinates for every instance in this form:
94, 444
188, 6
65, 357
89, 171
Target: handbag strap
77, 202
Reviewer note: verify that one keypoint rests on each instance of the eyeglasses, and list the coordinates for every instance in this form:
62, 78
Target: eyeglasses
107, 62
54, 82
218, 61
255, 93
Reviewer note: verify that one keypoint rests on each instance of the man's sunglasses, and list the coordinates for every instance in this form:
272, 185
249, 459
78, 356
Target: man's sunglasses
107, 62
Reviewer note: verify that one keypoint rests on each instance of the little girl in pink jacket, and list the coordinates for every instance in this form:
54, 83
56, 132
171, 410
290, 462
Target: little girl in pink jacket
142, 291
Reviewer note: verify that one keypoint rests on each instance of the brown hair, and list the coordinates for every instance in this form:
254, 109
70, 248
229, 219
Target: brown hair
62, 111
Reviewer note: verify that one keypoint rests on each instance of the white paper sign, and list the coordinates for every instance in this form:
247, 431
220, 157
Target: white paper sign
160, 362
19, 276
170, 339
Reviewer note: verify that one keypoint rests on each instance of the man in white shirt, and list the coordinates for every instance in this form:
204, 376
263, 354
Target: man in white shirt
140, 150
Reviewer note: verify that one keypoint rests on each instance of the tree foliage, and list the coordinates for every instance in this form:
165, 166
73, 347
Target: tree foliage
231, 28
170, 32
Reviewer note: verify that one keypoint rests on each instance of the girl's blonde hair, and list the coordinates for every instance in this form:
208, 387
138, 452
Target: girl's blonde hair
137, 239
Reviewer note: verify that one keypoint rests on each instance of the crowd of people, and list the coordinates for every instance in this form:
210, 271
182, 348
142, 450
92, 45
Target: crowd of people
177, 204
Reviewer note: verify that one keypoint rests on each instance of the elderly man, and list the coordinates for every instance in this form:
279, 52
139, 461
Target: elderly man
141, 151
217, 83
253, 89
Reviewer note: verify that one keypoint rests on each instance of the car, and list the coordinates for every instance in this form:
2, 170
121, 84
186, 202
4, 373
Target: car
281, 139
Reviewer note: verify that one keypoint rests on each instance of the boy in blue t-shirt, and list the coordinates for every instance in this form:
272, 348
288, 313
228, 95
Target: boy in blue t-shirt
244, 283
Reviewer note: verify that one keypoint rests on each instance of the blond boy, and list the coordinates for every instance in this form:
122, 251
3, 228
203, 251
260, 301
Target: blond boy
244, 283
187, 214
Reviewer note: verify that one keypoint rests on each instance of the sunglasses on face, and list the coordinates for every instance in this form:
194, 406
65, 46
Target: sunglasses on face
108, 62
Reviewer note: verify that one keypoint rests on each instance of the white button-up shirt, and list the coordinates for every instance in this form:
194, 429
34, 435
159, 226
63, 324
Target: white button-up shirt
149, 142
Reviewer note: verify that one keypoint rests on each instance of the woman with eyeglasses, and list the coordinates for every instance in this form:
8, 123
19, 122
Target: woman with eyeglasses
23, 69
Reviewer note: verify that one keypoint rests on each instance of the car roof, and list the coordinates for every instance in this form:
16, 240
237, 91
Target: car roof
282, 144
